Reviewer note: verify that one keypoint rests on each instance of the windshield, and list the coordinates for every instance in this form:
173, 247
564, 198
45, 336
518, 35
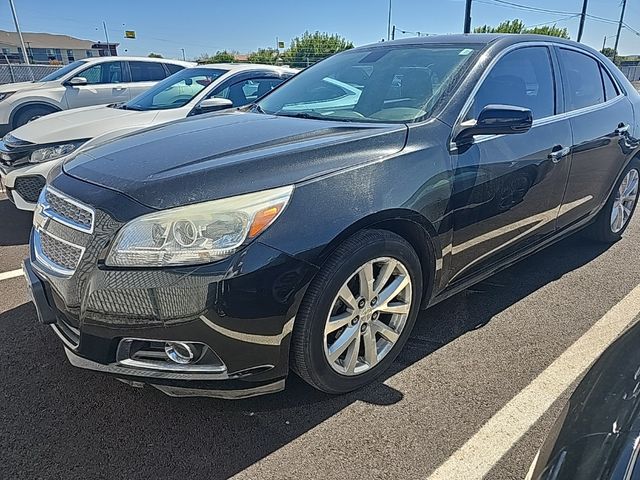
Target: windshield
61, 72
394, 84
175, 91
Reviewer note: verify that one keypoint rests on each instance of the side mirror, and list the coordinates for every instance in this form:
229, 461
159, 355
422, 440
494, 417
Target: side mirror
496, 120
76, 81
213, 105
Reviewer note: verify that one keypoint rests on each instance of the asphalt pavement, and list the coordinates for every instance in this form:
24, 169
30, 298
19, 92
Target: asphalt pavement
467, 359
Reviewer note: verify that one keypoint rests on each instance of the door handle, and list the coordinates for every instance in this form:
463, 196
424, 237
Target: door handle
622, 129
119, 89
558, 153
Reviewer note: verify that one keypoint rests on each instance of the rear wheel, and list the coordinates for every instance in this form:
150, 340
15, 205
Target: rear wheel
358, 312
614, 218
28, 114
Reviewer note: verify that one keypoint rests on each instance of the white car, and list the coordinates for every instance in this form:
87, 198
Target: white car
28, 153
91, 81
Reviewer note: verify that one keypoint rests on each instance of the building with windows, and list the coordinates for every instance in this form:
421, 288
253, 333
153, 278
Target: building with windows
48, 48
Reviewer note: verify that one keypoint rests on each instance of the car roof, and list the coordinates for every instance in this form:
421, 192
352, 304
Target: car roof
138, 59
482, 39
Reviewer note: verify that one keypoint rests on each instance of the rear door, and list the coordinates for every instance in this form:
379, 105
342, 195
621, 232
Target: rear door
601, 116
508, 188
144, 75
105, 84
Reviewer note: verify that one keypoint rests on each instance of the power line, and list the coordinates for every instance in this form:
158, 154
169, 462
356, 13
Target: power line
519, 6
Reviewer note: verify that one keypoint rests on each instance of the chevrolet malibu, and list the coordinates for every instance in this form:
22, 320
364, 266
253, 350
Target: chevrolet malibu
213, 255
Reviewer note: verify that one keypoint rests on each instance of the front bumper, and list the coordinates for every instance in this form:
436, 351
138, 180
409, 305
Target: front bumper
241, 308
25, 182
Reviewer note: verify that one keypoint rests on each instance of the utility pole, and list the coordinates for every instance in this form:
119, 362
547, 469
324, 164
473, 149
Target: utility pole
583, 17
389, 23
393, 33
106, 35
25, 55
615, 48
184, 58
467, 17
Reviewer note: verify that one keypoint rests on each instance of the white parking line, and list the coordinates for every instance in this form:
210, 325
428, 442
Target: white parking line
496, 437
11, 274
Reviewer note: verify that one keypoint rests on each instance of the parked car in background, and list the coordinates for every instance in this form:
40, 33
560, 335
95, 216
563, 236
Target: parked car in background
90, 81
28, 153
597, 435
212, 255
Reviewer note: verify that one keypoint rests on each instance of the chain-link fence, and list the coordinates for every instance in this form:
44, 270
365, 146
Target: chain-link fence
11, 73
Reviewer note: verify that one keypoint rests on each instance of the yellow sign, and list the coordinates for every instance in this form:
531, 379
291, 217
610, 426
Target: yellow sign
129, 34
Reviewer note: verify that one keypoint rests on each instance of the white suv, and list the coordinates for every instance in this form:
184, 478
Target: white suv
30, 152
91, 81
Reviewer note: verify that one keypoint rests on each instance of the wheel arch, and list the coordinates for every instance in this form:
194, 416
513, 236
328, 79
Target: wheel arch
410, 225
34, 103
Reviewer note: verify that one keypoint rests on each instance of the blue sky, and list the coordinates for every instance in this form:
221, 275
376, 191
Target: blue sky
201, 26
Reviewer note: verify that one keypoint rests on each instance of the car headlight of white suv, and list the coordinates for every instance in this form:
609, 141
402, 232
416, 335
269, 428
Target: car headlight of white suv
52, 152
199, 233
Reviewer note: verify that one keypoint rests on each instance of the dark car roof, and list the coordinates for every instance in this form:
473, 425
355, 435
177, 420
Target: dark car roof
478, 39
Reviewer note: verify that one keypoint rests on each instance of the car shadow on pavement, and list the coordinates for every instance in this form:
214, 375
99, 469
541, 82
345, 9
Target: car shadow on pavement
57, 420
16, 224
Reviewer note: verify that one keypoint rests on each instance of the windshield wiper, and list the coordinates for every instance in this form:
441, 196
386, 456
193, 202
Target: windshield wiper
303, 115
124, 106
256, 108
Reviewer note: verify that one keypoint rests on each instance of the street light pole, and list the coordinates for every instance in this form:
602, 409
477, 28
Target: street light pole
467, 17
106, 35
25, 54
184, 58
389, 23
615, 48
583, 16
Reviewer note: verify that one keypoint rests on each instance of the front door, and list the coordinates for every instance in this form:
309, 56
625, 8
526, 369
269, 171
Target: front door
602, 121
508, 188
105, 84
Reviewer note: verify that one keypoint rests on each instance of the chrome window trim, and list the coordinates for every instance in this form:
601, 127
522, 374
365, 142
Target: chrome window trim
541, 121
46, 261
63, 220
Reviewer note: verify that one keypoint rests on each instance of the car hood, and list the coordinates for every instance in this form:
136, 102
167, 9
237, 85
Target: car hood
16, 87
221, 155
81, 123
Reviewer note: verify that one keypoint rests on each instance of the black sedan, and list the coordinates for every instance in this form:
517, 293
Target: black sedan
305, 232
597, 436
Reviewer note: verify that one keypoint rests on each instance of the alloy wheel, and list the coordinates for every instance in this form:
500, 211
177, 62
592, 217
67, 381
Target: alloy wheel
625, 200
367, 316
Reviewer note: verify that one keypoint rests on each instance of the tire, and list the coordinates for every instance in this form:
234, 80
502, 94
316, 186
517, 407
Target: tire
27, 114
310, 349
603, 229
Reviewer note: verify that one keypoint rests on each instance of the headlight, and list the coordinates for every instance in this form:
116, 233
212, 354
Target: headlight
54, 151
4, 95
200, 233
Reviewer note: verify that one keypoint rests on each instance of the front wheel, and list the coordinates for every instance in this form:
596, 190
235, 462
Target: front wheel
616, 215
358, 312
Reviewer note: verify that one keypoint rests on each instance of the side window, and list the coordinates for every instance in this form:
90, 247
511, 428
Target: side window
146, 71
246, 91
610, 89
106, 72
522, 78
582, 80
173, 68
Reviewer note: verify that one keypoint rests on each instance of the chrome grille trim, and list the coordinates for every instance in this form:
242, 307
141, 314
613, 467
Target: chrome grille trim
67, 211
50, 263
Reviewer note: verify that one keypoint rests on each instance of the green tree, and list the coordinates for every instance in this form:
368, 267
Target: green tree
267, 56
517, 26
154, 55
608, 52
312, 47
221, 56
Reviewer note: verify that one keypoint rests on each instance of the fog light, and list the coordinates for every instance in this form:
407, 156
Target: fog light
179, 352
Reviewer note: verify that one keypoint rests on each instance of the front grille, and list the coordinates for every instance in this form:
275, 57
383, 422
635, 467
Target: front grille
67, 211
29, 187
59, 255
